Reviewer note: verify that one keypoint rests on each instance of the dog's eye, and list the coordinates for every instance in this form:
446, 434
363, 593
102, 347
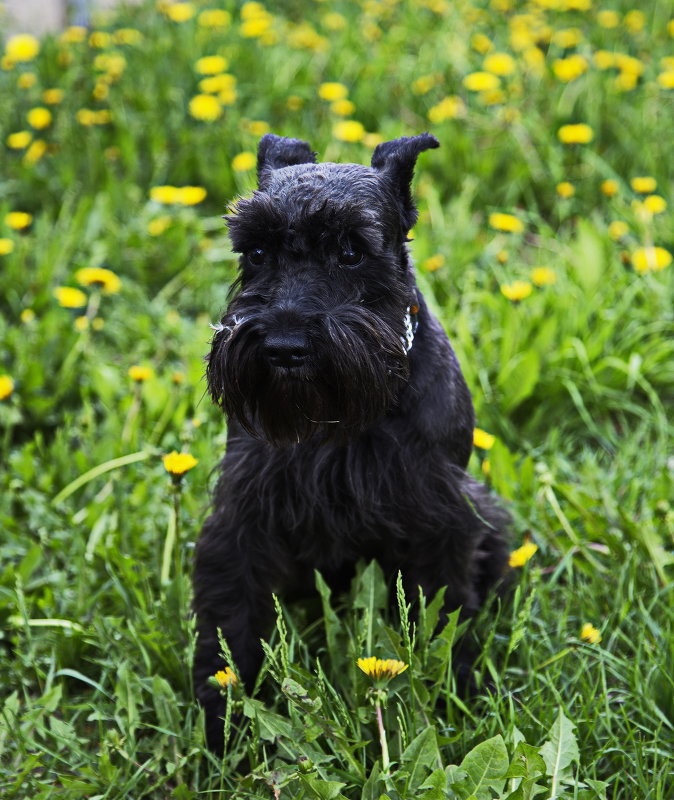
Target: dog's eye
350, 258
255, 257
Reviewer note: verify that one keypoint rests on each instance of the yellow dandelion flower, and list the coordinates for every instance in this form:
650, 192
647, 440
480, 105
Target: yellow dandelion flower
155, 227
343, 108
506, 222
294, 103
565, 189
226, 678
19, 140
179, 463
27, 316
191, 195
81, 324
481, 43
242, 162
332, 91
608, 18
333, 21
6, 386
27, 80
543, 276
644, 185
434, 262
590, 634
256, 127
482, 439
6, 246
214, 18
180, 12
451, 107
205, 107
654, 204
127, 36
519, 557
502, 256
603, 59
139, 373
22, 47
517, 290
578, 133
18, 220
566, 38
666, 79
39, 118
634, 21
629, 64
75, 34
481, 81
53, 97
166, 195
218, 83
570, 68
423, 84
349, 131
500, 64
651, 259
381, 669
617, 229
35, 152
69, 297
211, 65
609, 187
105, 279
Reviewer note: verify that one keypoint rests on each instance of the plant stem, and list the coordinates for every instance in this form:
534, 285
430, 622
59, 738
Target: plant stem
385, 763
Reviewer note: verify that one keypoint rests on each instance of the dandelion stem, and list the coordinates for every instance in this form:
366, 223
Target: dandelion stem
385, 763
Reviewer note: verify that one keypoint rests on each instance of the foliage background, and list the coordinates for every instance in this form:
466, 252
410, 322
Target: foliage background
574, 380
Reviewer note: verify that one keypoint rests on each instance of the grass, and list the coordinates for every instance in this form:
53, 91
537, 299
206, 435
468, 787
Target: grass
574, 380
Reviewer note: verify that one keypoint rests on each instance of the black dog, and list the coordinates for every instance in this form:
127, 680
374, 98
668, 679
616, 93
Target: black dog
350, 423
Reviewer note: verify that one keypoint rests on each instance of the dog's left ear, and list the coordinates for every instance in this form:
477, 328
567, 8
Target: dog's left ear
396, 159
275, 152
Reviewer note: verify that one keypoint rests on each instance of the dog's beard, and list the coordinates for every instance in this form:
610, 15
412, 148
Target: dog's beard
351, 377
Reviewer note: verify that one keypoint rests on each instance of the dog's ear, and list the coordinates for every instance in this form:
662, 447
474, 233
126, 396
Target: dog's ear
396, 160
275, 152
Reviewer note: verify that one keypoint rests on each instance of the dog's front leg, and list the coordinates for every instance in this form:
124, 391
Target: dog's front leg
232, 594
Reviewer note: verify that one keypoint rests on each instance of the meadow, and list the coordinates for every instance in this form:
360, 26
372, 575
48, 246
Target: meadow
544, 245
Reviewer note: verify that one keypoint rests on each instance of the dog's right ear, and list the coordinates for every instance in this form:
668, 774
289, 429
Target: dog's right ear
275, 152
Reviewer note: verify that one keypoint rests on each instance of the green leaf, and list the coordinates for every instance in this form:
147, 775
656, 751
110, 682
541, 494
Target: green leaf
560, 751
486, 766
421, 756
322, 790
518, 378
526, 762
435, 785
330, 620
589, 256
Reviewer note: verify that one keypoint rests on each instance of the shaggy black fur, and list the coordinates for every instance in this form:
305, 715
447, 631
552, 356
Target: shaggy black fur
350, 423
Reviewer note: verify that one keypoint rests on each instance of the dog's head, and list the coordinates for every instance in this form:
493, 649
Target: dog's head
316, 337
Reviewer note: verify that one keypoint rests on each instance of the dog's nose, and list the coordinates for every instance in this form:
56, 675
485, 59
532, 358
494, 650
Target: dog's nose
286, 349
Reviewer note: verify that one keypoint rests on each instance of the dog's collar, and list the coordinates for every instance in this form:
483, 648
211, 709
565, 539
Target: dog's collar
411, 324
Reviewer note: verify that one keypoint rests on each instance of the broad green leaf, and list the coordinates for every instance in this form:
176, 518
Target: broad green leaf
486, 766
421, 756
526, 762
518, 378
560, 751
435, 785
320, 789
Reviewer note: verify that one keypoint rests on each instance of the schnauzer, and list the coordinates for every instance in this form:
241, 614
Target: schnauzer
350, 422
